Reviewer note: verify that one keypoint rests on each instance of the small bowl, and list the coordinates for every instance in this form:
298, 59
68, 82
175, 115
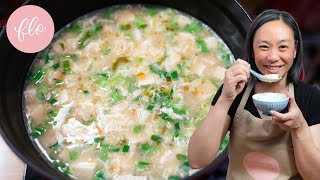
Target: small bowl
266, 102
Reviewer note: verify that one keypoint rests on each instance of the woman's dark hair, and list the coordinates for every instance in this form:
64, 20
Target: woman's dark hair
271, 15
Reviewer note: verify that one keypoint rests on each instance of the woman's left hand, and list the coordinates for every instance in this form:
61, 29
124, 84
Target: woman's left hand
293, 119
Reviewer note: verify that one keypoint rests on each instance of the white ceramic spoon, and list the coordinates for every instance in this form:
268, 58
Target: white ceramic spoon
266, 78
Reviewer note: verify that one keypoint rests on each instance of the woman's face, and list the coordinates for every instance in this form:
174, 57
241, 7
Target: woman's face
274, 48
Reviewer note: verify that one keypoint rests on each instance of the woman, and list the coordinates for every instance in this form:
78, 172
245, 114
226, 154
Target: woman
288, 146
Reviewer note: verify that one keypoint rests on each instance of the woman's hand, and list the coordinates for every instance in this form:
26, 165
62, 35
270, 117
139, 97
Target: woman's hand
235, 79
293, 119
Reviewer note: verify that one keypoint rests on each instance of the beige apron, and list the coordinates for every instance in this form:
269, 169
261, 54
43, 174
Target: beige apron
259, 149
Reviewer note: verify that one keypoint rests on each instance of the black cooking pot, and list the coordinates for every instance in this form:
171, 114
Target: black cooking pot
226, 17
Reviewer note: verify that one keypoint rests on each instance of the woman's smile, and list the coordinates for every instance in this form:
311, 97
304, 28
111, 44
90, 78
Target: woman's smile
274, 69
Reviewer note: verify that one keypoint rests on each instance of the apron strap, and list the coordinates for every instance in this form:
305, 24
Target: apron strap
245, 96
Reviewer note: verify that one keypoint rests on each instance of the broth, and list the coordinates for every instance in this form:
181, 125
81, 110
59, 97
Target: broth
118, 93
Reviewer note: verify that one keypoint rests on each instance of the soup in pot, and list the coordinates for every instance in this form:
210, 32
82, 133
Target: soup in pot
118, 93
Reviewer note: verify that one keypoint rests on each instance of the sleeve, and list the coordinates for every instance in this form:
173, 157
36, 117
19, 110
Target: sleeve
313, 107
234, 105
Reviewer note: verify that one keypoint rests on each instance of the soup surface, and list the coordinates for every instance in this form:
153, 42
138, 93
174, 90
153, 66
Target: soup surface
118, 93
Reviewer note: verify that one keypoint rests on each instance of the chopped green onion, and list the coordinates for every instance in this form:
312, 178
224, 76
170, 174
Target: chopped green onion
38, 132
58, 81
166, 117
171, 92
170, 37
53, 101
140, 25
54, 145
88, 122
170, 12
138, 59
174, 177
125, 27
99, 176
54, 155
156, 70
84, 40
73, 57
181, 157
176, 135
142, 164
165, 55
98, 27
75, 28
116, 96
53, 113
185, 168
215, 83
224, 55
115, 149
61, 166
41, 92
49, 123
179, 111
98, 139
102, 83
103, 75
150, 107
67, 66
180, 69
62, 46
137, 128
47, 58
156, 138
104, 152
85, 91
129, 36
174, 75
172, 25
74, 155
56, 66
193, 27
106, 51
145, 147
125, 148
224, 143
137, 99
202, 46
38, 76
152, 10
163, 94
177, 126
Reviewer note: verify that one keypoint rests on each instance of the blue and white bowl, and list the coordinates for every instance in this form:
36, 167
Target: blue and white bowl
266, 102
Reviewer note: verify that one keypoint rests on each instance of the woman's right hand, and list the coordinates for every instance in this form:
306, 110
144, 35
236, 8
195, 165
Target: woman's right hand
234, 80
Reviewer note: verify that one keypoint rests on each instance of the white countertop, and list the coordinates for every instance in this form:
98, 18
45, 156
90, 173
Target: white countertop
11, 167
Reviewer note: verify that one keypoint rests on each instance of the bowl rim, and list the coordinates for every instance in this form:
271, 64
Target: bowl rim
254, 97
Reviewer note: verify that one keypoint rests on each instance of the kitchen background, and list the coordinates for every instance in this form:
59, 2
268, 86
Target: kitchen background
307, 14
